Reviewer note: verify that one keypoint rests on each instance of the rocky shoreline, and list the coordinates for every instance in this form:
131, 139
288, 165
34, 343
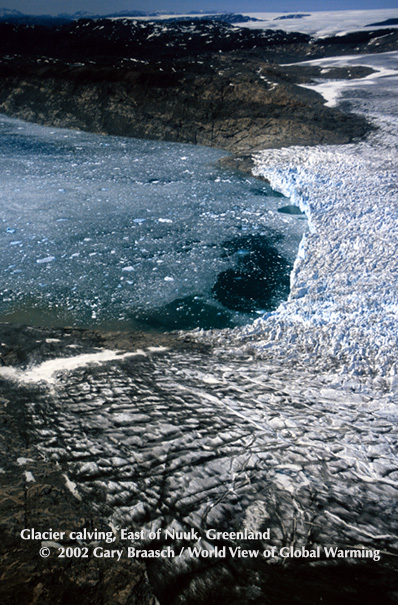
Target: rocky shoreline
233, 103
201, 82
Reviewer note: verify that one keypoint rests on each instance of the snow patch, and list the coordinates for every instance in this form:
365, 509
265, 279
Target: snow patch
48, 371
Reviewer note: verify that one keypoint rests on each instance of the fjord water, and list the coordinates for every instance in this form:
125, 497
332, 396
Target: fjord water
124, 233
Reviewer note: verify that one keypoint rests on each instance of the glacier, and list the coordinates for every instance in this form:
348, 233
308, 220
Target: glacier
341, 316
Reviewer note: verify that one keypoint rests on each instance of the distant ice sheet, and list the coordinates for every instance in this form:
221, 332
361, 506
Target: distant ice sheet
322, 23
315, 23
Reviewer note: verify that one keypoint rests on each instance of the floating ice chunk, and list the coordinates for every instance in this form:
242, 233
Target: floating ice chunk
123, 222
47, 259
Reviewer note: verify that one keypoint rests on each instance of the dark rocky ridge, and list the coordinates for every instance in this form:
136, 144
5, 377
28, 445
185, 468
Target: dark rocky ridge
386, 23
197, 81
228, 105
172, 40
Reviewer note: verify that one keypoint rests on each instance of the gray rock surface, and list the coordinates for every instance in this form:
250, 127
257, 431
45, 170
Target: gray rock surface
198, 81
235, 103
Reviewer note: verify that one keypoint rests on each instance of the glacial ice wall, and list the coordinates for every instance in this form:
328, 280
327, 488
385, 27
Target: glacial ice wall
341, 316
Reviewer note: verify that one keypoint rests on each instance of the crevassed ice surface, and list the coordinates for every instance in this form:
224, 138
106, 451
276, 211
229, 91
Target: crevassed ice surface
342, 313
122, 232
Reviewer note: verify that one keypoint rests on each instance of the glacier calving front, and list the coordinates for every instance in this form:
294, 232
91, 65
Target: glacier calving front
342, 312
